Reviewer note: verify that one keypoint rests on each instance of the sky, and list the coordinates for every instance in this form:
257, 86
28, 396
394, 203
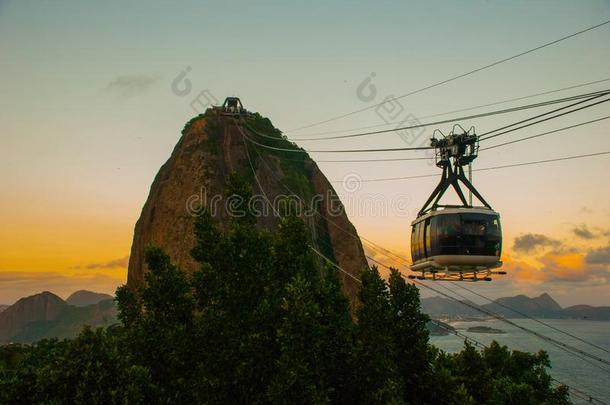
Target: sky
93, 97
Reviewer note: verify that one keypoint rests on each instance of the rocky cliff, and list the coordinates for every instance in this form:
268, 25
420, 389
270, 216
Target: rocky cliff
211, 147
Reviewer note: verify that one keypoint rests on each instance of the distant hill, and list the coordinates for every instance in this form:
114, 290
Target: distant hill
84, 298
543, 306
46, 315
69, 323
45, 306
588, 312
439, 307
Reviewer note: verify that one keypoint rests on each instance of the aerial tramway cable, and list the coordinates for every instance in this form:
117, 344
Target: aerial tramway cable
545, 133
481, 149
312, 248
490, 134
533, 318
431, 86
563, 346
568, 348
465, 109
316, 211
589, 95
559, 159
573, 391
484, 136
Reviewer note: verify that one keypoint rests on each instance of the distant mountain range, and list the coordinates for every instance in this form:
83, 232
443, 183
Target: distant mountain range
46, 315
520, 306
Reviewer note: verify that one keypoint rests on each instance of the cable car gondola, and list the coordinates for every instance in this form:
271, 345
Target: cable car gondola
456, 242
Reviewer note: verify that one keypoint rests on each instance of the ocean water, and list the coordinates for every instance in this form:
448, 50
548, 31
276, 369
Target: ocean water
589, 376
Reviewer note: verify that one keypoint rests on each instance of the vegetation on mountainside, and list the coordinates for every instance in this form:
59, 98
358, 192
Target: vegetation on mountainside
261, 322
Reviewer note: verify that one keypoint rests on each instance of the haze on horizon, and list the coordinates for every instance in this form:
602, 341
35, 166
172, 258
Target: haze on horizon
90, 111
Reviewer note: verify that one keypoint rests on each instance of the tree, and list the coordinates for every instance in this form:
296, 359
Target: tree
90, 369
160, 334
377, 373
497, 375
410, 335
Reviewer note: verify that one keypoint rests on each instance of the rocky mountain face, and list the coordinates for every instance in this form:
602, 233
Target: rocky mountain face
84, 298
46, 315
210, 149
3, 307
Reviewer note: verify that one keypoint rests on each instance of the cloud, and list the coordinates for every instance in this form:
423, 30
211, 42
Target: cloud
112, 264
583, 231
532, 241
599, 256
522, 272
562, 266
128, 86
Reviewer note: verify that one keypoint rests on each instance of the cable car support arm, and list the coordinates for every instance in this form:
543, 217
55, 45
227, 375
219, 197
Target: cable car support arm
453, 153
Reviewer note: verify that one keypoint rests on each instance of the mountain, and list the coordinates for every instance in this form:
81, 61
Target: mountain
588, 312
543, 306
42, 307
84, 298
69, 322
439, 307
46, 315
3, 307
211, 147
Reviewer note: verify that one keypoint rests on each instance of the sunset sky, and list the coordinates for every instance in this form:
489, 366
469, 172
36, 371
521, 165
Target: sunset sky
92, 103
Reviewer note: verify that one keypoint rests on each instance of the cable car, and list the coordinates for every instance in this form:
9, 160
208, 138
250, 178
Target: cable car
455, 239
456, 242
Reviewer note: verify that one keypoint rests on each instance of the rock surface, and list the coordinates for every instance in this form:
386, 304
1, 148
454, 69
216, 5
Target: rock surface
212, 147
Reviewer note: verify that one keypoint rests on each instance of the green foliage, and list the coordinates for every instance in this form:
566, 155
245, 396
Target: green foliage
263, 321
295, 166
91, 369
497, 375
